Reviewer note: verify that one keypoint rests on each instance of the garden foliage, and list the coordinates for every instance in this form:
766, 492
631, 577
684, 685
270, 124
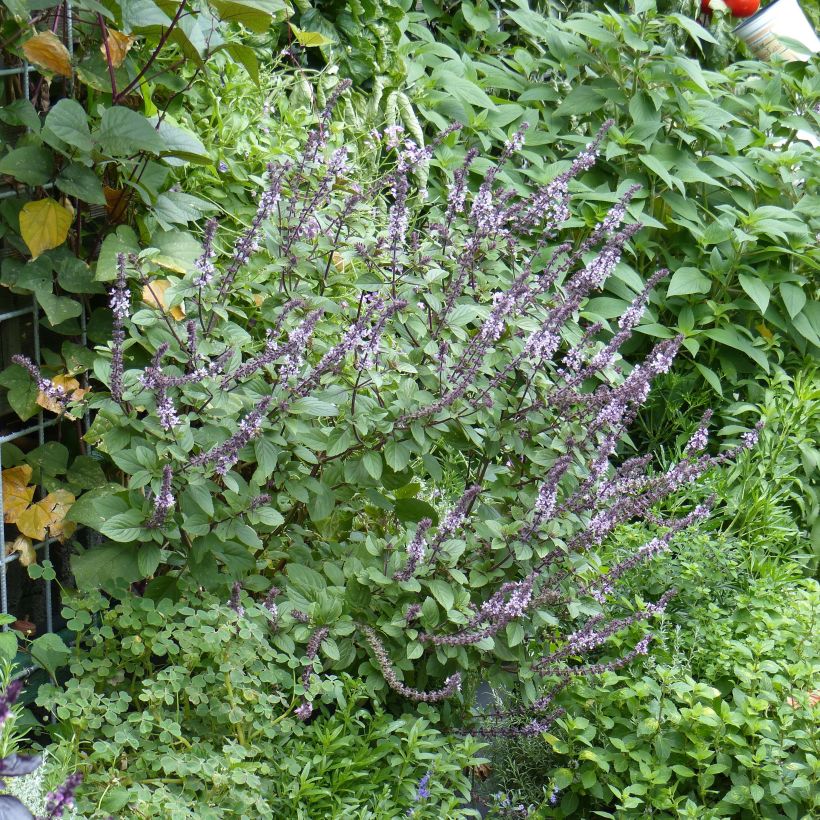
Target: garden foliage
721, 722
187, 710
417, 447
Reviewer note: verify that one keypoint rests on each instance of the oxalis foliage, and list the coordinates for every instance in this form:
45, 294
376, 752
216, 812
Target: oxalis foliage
386, 408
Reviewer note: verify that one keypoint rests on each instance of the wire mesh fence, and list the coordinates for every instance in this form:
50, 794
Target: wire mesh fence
20, 317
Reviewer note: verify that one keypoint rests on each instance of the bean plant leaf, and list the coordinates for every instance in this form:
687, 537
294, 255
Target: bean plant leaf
255, 15
47, 51
29, 164
50, 652
44, 224
117, 46
25, 547
46, 517
124, 132
310, 39
17, 494
68, 121
77, 180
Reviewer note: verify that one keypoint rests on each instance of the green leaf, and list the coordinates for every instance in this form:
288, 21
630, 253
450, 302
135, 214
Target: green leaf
397, 455
181, 145
8, 646
22, 391
310, 406
757, 290
50, 652
103, 566
68, 121
688, 280
30, 164
87, 473
18, 8
695, 31
59, 309
306, 581
794, 298
373, 464
711, 377
443, 593
95, 508
148, 559
255, 15
581, 100
463, 89
657, 167
77, 180
21, 112
124, 527
731, 338
413, 510
323, 501
124, 132
246, 57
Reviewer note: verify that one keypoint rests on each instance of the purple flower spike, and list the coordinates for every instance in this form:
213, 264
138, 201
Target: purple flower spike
62, 797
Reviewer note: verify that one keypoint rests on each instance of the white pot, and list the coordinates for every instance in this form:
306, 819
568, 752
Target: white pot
782, 18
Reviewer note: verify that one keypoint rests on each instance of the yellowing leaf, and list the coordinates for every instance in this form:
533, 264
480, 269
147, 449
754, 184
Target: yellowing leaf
765, 332
47, 51
153, 294
309, 39
44, 224
338, 261
23, 545
72, 389
46, 517
119, 45
17, 494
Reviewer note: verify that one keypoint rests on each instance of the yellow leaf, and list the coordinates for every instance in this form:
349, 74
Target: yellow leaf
72, 389
765, 332
309, 39
338, 261
17, 494
47, 51
23, 545
153, 294
46, 517
119, 45
44, 224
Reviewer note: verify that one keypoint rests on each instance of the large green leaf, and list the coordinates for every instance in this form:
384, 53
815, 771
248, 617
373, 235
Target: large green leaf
77, 180
688, 280
69, 122
124, 132
105, 565
30, 164
255, 15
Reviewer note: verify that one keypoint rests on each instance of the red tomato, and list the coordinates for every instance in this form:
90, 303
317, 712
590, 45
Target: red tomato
739, 8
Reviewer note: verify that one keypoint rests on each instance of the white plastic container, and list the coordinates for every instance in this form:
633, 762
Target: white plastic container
782, 18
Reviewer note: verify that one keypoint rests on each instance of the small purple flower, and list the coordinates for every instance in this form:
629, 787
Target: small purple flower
554, 796
304, 711
164, 501
423, 789
235, 601
223, 166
